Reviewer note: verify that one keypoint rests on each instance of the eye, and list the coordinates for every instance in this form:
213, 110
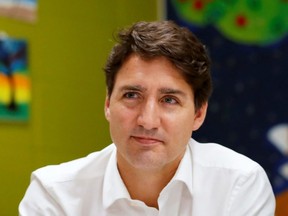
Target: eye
130, 95
170, 100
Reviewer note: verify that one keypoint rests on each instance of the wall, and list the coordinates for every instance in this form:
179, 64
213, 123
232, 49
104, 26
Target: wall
67, 50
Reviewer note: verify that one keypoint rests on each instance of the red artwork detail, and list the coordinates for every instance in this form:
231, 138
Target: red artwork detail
241, 21
198, 5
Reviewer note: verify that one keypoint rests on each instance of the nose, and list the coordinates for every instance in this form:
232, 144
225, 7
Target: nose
149, 116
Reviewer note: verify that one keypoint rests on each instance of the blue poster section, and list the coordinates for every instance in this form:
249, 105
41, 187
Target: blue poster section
248, 111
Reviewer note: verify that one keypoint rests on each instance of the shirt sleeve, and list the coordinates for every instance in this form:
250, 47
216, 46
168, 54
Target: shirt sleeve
38, 202
252, 195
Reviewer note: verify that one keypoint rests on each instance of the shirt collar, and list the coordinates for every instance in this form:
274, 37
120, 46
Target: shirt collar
184, 171
113, 186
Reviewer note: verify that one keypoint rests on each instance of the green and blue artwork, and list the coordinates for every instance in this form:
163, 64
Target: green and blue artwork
247, 21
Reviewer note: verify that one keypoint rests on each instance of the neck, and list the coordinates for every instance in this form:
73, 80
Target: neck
144, 184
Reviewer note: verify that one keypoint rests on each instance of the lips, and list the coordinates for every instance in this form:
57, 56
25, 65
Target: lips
147, 140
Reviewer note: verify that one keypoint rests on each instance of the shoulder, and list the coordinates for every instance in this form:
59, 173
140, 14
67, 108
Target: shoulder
53, 188
213, 155
222, 173
91, 166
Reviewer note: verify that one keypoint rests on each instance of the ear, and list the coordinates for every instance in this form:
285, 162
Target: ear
107, 108
200, 116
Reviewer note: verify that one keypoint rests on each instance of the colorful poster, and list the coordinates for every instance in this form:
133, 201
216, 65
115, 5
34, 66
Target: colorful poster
25, 10
248, 45
15, 86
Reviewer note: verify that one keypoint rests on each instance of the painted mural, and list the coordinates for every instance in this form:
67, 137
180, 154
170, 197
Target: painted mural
25, 10
248, 45
15, 87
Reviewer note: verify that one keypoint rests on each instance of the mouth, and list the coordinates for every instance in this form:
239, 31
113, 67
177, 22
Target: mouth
147, 140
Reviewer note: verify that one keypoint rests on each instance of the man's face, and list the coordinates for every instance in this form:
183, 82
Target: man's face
151, 114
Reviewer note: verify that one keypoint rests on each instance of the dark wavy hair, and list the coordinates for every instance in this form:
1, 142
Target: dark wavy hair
164, 38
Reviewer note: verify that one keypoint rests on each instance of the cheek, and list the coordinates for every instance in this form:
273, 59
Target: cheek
121, 124
181, 126
121, 118
117, 126
181, 119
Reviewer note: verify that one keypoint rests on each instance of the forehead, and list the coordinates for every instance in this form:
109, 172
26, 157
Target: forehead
156, 73
135, 66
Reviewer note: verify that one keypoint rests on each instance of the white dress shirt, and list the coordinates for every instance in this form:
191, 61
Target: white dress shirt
211, 180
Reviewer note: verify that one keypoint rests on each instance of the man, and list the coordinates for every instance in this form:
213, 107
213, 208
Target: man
158, 85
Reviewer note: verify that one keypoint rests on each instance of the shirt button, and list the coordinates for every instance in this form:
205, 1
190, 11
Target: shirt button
134, 204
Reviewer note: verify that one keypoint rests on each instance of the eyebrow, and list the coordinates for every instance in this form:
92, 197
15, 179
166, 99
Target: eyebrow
133, 88
161, 90
172, 91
